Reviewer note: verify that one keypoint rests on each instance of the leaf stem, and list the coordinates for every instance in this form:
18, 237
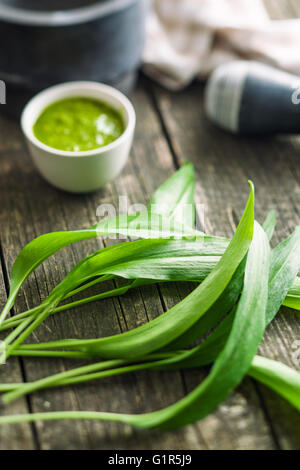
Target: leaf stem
15, 320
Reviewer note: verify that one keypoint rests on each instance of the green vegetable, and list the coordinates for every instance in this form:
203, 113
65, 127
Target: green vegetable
248, 326
44, 246
167, 327
292, 299
238, 278
285, 381
281, 378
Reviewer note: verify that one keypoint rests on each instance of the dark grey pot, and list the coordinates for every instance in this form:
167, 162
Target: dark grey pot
41, 45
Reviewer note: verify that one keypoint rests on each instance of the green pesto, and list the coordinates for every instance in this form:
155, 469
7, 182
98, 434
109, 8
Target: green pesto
78, 124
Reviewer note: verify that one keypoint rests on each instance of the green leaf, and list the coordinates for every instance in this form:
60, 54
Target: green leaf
285, 264
285, 381
175, 197
172, 324
41, 248
233, 362
277, 376
235, 359
281, 378
292, 299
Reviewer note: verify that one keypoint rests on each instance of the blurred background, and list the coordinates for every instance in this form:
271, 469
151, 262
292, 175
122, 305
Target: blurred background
175, 41
44, 43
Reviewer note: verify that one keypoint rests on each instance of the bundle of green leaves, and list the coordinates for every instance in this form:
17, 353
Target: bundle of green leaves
242, 284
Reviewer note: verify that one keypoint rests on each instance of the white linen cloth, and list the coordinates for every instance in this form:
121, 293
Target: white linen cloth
189, 38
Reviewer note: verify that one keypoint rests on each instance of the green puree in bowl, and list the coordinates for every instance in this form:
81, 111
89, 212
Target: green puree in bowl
78, 124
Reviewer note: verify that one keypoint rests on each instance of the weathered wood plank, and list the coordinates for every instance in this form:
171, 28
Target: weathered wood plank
224, 164
20, 436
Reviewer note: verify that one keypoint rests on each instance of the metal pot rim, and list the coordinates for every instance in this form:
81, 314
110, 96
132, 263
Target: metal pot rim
64, 17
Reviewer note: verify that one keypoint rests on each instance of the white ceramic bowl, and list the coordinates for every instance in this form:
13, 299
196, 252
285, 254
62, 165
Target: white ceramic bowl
79, 172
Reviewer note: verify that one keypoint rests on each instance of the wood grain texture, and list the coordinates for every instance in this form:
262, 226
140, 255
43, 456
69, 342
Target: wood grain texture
20, 436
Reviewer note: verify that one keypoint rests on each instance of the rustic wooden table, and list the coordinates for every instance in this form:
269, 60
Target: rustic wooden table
170, 128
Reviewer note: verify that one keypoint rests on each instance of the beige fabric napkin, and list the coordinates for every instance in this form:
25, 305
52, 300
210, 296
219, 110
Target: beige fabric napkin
189, 38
